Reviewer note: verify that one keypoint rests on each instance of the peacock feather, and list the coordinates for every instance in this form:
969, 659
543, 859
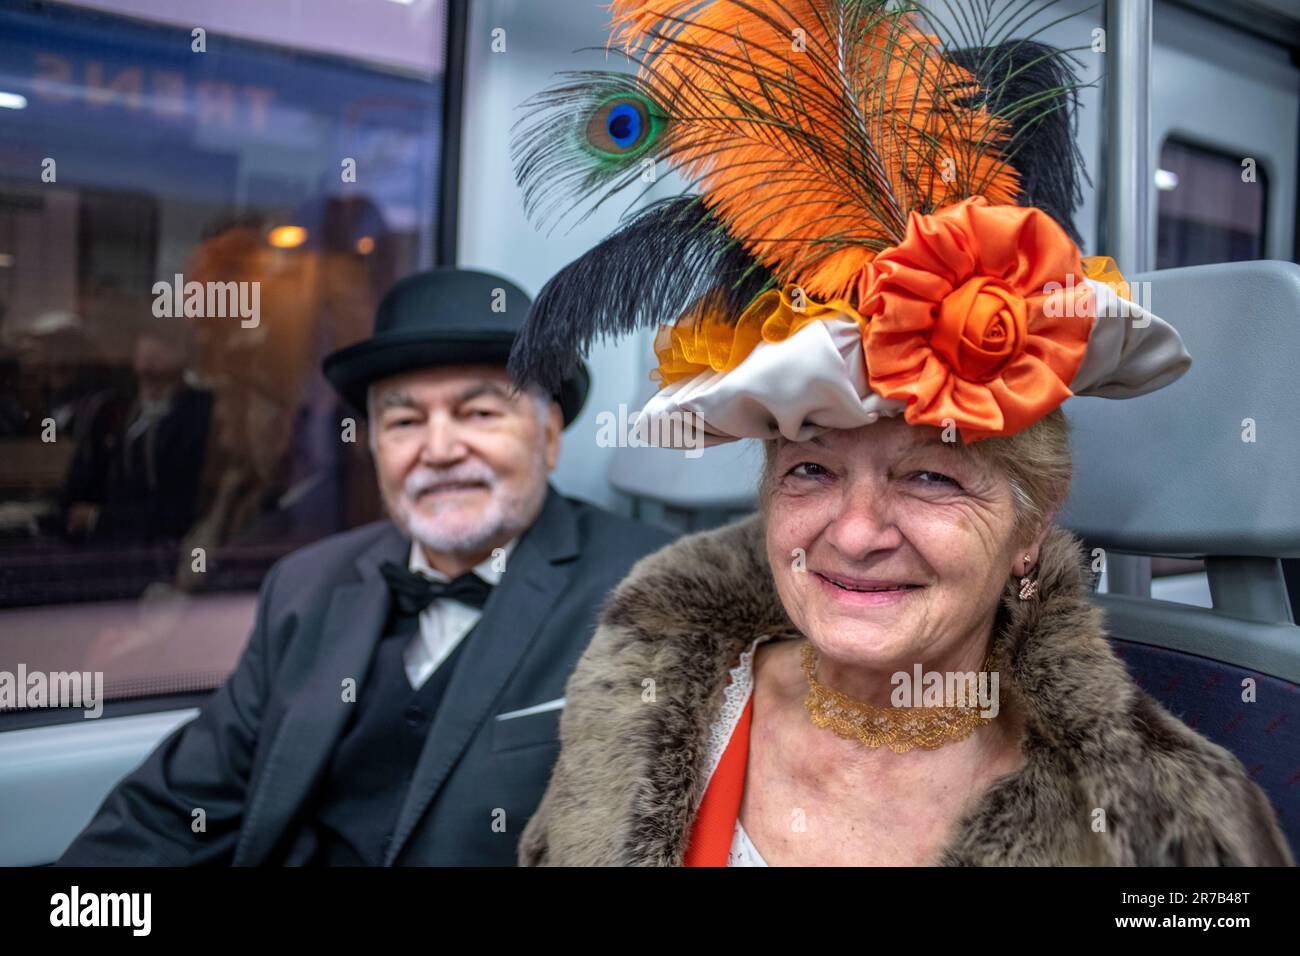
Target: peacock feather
807, 132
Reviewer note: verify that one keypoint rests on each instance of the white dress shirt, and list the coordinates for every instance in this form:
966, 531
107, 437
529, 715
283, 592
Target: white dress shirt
444, 622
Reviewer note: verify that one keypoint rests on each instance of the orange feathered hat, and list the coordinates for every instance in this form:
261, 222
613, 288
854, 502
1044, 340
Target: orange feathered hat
877, 221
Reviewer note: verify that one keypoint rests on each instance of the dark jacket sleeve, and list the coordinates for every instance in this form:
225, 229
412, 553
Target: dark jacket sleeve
149, 818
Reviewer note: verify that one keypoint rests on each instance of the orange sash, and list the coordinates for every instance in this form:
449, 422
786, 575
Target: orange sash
715, 822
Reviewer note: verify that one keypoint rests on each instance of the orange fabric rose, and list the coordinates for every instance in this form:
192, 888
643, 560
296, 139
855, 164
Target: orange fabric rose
980, 315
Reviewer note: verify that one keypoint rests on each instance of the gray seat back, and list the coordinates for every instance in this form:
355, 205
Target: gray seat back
688, 489
1206, 467
1209, 464
1210, 467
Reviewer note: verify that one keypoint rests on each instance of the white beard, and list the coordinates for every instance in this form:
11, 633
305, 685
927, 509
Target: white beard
506, 515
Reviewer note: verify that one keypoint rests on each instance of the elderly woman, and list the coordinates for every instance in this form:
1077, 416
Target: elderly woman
732, 706
894, 661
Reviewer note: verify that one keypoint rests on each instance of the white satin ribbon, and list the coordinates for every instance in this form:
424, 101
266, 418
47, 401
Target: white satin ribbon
816, 379
1131, 351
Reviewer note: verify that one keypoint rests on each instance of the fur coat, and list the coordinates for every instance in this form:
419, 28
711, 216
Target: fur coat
626, 782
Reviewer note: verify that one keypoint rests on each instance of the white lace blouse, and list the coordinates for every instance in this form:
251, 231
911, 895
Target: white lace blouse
735, 697
743, 852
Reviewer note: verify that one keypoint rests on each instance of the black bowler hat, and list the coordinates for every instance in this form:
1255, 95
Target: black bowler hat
446, 316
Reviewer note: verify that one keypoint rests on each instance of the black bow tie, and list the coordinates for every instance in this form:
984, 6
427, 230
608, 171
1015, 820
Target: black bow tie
413, 592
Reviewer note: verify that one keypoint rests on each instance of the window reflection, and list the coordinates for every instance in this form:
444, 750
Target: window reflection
1210, 208
158, 453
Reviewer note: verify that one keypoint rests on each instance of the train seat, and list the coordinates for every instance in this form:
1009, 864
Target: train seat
1207, 468
685, 491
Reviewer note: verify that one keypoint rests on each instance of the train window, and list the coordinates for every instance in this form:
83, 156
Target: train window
1210, 208
189, 220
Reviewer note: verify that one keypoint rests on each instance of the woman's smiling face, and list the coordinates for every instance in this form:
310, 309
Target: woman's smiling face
889, 547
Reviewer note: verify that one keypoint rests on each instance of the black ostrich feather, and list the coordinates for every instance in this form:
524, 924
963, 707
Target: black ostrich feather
1034, 88
670, 258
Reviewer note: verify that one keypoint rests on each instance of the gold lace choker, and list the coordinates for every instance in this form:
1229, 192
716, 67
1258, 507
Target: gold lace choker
899, 728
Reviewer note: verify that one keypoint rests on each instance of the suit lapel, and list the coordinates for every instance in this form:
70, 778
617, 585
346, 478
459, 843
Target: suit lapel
315, 717
537, 573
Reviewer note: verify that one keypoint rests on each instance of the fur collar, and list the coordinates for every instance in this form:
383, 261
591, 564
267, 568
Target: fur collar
632, 761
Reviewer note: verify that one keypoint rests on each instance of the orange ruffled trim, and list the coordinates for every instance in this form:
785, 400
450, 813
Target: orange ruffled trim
979, 316
714, 344
1104, 270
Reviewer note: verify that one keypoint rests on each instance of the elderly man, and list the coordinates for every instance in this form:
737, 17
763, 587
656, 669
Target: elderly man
399, 699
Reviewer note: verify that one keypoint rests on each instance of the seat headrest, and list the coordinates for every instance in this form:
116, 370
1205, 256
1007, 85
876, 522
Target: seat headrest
719, 477
1210, 465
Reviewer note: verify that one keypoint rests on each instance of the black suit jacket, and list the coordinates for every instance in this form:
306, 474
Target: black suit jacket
253, 756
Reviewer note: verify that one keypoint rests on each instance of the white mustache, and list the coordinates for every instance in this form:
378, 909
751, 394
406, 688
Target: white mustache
426, 479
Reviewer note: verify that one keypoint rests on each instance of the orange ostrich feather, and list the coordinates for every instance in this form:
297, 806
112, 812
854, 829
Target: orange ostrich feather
813, 128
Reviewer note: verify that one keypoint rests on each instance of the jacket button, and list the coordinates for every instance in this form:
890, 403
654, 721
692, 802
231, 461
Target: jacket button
414, 716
